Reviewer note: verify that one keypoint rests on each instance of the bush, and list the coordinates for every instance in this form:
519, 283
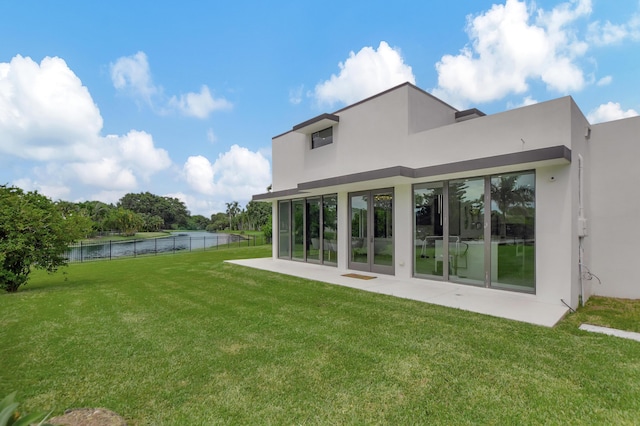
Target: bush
267, 231
9, 416
33, 233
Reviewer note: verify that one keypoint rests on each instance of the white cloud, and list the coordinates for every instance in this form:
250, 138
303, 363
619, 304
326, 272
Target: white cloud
105, 173
605, 81
136, 149
608, 33
199, 205
295, 95
131, 74
364, 74
510, 45
211, 137
199, 105
526, 101
236, 174
45, 111
48, 116
609, 112
199, 174
51, 190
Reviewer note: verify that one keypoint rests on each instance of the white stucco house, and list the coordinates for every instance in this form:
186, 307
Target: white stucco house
533, 200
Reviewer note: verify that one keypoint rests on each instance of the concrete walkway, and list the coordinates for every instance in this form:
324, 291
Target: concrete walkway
498, 303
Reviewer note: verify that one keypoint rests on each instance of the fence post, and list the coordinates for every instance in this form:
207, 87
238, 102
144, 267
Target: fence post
190, 238
81, 253
134, 247
110, 250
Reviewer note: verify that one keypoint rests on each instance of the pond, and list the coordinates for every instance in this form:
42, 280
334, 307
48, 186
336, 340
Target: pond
177, 241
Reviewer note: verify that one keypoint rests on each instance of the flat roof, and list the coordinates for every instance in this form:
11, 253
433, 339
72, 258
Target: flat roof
317, 123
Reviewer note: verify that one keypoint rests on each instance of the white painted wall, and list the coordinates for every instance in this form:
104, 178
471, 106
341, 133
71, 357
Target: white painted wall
615, 208
386, 131
380, 133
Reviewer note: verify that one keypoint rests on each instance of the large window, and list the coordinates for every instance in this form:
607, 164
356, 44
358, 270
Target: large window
322, 138
284, 229
308, 229
330, 229
429, 224
478, 231
513, 230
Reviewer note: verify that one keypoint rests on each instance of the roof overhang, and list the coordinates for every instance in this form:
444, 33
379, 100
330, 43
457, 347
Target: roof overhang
543, 157
468, 114
317, 123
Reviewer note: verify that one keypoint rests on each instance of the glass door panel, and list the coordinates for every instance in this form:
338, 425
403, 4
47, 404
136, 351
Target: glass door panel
284, 229
382, 229
297, 224
513, 231
466, 231
371, 246
312, 226
359, 256
428, 230
330, 229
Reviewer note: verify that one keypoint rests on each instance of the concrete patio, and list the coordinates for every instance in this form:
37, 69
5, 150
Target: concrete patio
497, 303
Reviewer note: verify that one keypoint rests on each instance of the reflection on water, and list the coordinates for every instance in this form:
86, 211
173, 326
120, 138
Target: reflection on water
178, 241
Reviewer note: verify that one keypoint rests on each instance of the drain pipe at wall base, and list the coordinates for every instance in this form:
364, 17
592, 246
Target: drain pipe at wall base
584, 271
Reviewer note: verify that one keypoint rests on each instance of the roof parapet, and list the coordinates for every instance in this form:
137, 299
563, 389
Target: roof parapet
469, 114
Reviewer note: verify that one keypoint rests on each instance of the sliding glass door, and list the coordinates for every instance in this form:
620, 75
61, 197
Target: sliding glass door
512, 231
478, 231
308, 229
371, 245
466, 231
429, 214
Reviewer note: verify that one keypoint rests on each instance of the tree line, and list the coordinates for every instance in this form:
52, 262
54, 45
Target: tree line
147, 212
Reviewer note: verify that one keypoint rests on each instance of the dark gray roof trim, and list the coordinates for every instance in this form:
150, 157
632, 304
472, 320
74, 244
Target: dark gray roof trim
359, 177
321, 117
276, 194
469, 112
542, 154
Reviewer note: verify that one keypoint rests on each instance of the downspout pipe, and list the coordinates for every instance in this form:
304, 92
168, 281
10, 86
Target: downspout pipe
580, 220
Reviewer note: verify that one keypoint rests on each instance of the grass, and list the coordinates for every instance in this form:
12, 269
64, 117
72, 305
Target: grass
188, 339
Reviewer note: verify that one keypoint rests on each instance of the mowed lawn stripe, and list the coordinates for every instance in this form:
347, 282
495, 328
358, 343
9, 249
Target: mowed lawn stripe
188, 339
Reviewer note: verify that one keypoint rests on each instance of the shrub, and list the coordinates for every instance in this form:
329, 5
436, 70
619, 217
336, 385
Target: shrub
9, 416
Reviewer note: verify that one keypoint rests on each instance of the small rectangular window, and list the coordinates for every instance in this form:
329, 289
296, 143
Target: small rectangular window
322, 138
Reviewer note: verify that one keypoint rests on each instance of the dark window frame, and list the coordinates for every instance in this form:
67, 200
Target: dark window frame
318, 139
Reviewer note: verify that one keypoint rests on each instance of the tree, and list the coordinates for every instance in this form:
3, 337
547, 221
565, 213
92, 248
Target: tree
218, 222
33, 233
198, 222
258, 214
233, 209
173, 212
124, 221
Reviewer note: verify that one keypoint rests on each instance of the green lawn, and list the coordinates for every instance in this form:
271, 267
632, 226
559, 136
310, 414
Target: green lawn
189, 340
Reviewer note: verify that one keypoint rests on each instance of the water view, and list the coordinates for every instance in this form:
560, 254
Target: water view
177, 241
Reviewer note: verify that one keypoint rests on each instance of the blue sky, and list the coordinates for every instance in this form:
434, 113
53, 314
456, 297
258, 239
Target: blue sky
98, 99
